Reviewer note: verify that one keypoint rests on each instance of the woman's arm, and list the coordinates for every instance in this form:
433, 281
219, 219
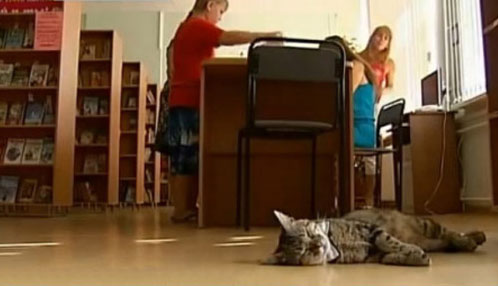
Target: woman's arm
391, 68
230, 38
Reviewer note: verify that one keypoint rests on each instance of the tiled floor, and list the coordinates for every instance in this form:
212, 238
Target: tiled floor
102, 249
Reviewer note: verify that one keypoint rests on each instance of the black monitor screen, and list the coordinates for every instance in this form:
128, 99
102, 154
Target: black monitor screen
430, 89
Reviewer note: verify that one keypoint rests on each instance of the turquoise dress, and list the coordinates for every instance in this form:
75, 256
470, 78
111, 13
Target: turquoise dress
364, 119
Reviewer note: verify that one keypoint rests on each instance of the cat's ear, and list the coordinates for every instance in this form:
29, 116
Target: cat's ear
285, 220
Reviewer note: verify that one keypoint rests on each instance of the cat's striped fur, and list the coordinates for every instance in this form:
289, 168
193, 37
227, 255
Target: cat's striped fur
384, 236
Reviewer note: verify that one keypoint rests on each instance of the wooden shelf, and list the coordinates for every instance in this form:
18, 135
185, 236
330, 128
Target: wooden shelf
28, 88
92, 116
95, 60
128, 132
149, 163
27, 126
129, 109
130, 86
94, 88
128, 155
26, 165
91, 174
128, 179
92, 145
28, 51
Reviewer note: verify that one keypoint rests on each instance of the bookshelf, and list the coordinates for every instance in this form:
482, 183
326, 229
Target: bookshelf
37, 100
153, 165
96, 168
132, 138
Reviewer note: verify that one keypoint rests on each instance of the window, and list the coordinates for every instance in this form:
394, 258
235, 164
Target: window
466, 77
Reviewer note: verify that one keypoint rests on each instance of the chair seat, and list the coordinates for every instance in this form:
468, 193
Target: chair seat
293, 126
373, 151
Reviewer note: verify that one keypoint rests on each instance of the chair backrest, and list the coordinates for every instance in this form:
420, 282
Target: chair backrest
299, 61
391, 114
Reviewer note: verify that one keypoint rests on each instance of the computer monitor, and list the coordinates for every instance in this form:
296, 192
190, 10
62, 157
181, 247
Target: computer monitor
431, 89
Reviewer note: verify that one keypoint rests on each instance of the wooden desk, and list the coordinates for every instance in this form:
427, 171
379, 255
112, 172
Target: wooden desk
422, 164
280, 170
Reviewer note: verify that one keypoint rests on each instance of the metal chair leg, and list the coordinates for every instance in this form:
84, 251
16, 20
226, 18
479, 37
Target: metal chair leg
313, 177
247, 179
378, 177
238, 218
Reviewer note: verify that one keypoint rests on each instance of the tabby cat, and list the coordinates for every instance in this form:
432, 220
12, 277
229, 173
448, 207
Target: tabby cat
373, 235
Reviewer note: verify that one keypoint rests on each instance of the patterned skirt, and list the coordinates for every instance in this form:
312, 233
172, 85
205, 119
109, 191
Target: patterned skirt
183, 140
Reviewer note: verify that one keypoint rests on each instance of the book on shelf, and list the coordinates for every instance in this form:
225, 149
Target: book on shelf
32, 151
103, 106
4, 110
148, 153
14, 151
102, 162
3, 147
90, 105
87, 137
8, 189
151, 136
47, 153
27, 190
21, 75
96, 79
48, 113
130, 194
16, 113
87, 51
148, 176
101, 139
149, 198
106, 49
151, 117
86, 192
131, 102
15, 38
151, 98
52, 77
134, 78
39, 75
91, 164
29, 36
43, 195
6, 73
3, 37
34, 113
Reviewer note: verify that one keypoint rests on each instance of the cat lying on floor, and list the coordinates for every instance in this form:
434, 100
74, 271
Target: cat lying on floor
373, 235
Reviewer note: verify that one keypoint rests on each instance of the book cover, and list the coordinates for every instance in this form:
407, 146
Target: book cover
3, 37
16, 112
20, 76
86, 192
14, 151
48, 32
90, 105
52, 78
101, 139
103, 106
134, 77
43, 195
39, 75
150, 98
96, 79
132, 102
148, 176
48, 113
148, 153
32, 151
87, 137
8, 189
130, 194
102, 163
3, 146
6, 73
47, 153
4, 110
88, 51
91, 164
15, 38
34, 113
27, 191
29, 37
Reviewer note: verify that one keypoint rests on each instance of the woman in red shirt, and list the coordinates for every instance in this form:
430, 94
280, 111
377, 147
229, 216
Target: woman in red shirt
377, 55
194, 42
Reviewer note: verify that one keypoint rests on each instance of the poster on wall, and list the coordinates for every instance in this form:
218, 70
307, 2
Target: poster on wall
48, 31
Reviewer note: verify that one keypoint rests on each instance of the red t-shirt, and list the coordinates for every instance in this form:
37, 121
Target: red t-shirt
194, 43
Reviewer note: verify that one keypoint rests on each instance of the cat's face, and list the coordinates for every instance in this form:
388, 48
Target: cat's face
302, 242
